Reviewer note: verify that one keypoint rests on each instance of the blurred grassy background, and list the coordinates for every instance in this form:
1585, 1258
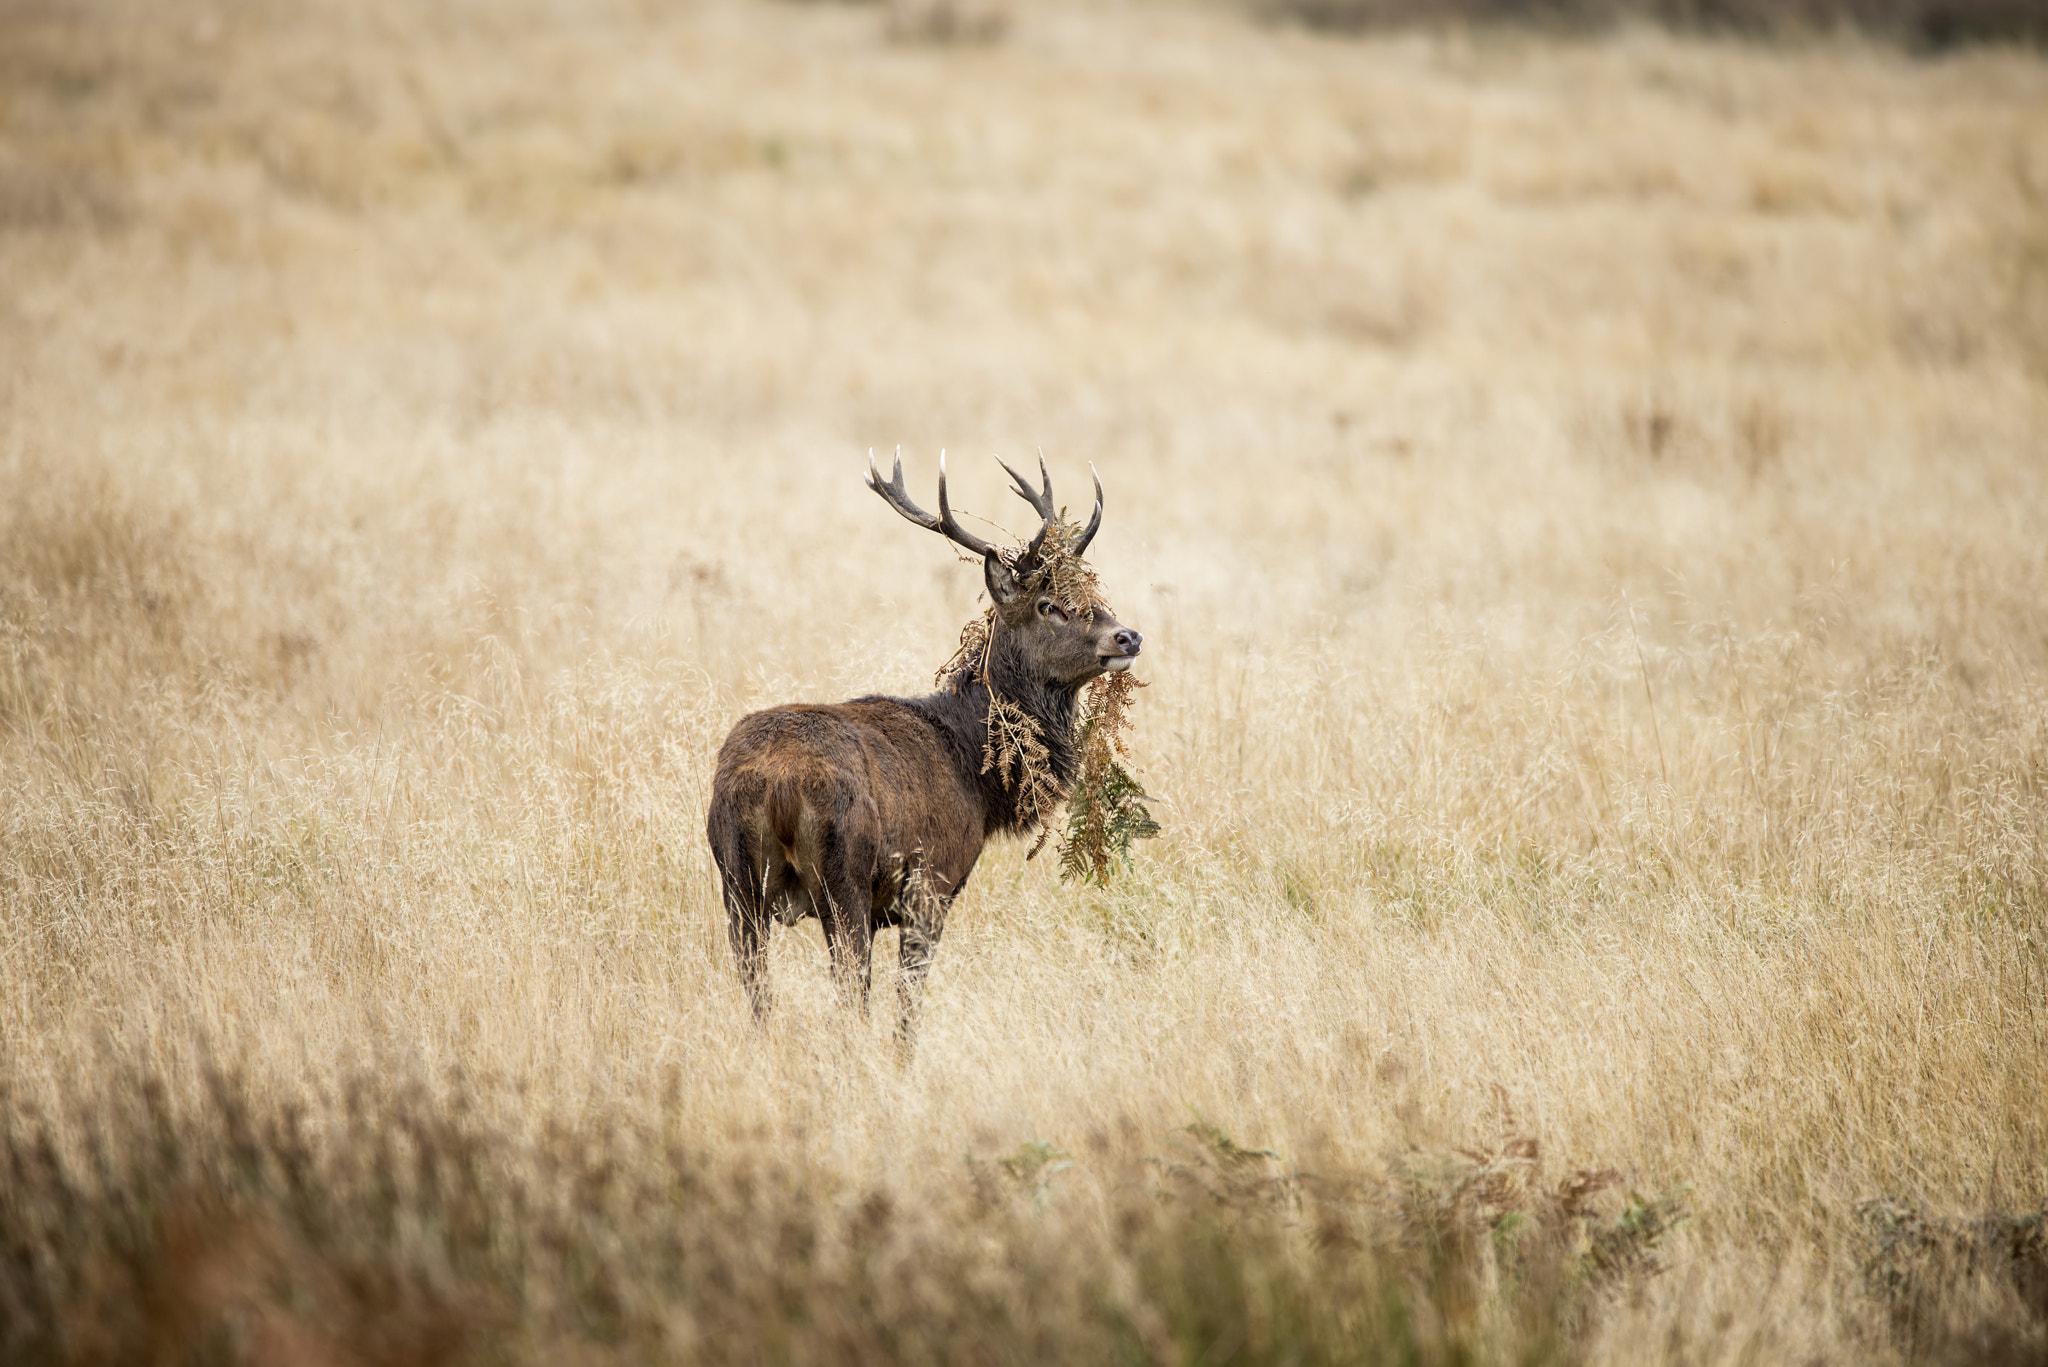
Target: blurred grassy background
1925, 25
1581, 490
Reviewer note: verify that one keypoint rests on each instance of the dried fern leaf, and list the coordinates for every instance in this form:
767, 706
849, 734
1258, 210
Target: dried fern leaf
1106, 814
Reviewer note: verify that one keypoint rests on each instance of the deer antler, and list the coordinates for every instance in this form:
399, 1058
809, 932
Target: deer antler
1041, 501
896, 496
1094, 523
1048, 511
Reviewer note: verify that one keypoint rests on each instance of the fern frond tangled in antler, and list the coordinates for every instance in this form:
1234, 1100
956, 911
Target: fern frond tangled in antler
1064, 576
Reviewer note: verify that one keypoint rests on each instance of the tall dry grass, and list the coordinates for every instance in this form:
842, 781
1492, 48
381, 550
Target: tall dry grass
1583, 501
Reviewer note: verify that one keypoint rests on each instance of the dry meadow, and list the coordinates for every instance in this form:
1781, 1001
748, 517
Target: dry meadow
1584, 499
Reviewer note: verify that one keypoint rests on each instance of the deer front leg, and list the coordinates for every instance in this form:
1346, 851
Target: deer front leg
923, 921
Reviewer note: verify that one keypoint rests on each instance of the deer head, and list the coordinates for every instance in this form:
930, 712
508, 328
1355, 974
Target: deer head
1050, 622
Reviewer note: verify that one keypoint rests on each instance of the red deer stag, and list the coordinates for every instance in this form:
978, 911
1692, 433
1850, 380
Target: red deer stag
871, 813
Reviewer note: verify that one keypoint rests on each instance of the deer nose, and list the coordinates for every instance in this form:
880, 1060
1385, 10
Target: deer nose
1129, 641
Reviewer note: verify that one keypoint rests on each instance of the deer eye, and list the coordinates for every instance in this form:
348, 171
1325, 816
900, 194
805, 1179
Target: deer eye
1048, 608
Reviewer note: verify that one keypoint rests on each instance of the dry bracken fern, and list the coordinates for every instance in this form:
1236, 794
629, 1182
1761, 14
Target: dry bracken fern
1016, 750
972, 650
1064, 576
1107, 811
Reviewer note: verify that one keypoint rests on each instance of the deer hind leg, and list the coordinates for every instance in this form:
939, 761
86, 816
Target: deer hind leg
847, 915
746, 910
850, 940
749, 936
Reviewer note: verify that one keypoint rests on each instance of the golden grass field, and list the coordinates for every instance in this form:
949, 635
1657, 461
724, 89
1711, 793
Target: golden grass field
1584, 500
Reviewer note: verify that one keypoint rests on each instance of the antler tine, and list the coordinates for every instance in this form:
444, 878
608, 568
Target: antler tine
950, 525
896, 496
1095, 522
1040, 501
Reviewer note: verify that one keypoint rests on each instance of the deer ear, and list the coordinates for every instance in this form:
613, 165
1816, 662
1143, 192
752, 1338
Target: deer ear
1003, 585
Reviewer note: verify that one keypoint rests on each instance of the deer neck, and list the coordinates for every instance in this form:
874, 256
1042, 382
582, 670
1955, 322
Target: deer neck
965, 701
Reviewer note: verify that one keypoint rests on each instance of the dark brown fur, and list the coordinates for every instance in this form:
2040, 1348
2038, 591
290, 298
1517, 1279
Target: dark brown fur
871, 814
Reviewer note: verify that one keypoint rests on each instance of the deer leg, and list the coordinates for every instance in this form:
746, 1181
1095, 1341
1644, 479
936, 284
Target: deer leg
850, 942
749, 935
847, 919
917, 945
746, 910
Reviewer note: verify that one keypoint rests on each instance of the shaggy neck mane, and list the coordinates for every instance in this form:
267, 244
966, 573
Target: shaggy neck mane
961, 708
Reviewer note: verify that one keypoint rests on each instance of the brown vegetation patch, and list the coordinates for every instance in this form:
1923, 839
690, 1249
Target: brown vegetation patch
1936, 25
408, 1220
